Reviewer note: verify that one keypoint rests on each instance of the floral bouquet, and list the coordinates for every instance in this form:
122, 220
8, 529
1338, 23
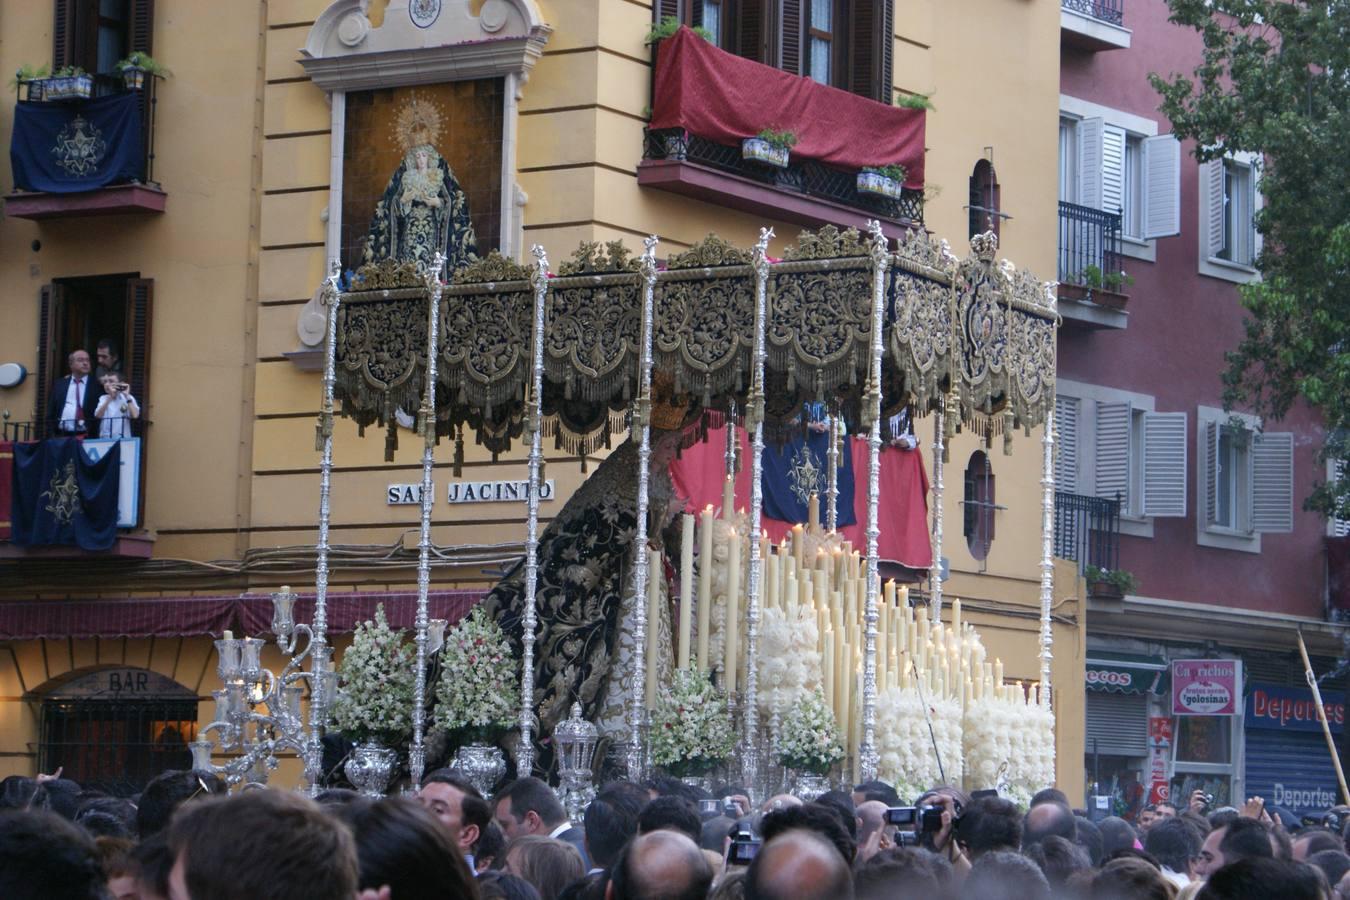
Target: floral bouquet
908, 759
478, 693
810, 737
1010, 745
375, 689
789, 663
691, 726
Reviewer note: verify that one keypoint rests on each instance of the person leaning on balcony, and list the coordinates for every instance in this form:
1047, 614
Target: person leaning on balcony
71, 409
116, 408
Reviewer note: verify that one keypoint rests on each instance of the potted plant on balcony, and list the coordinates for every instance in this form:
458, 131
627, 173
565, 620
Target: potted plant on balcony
27, 81
1109, 584
138, 65
769, 147
68, 83
883, 181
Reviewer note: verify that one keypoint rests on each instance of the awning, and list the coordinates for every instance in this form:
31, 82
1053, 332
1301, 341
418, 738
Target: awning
196, 616
1126, 673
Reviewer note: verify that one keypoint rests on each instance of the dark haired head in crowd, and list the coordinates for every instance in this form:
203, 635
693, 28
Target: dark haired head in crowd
119, 870
1315, 840
1047, 819
22, 792
798, 864
612, 819
528, 806
154, 862
1263, 879
875, 790
168, 791
1117, 834
491, 851
1333, 863
401, 844
45, 857
818, 818
1049, 795
990, 824
1004, 875
107, 817
1059, 860
1091, 840
671, 813
505, 886
666, 786
1241, 839
902, 873
217, 845
1175, 844
547, 863
660, 865
1131, 878
458, 806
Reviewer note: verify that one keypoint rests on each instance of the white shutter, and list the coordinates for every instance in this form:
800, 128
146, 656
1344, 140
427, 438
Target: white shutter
1066, 461
1116, 724
1210, 472
1211, 184
1162, 186
1090, 162
1165, 464
1113, 452
1273, 483
1113, 169
1339, 527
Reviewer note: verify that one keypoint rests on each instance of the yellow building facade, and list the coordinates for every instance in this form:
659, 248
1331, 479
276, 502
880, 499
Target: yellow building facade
254, 144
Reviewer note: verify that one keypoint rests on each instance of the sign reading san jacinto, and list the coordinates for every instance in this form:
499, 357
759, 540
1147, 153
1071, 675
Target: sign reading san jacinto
1206, 687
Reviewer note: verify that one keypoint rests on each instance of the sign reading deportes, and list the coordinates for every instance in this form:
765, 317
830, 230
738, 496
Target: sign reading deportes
1206, 687
1293, 709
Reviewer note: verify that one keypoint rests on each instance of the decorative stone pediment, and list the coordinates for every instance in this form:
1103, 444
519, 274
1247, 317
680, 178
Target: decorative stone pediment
422, 42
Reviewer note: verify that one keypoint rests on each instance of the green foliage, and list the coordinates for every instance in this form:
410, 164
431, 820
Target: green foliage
810, 737
895, 172
915, 101
1273, 82
69, 72
375, 693
782, 140
478, 692
29, 73
1091, 276
1121, 579
668, 26
138, 60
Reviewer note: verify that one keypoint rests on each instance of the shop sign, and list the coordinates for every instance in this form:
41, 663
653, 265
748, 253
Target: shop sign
1293, 709
1159, 751
1123, 678
1206, 687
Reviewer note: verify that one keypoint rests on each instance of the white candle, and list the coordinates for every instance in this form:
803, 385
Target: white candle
998, 672
827, 672
728, 498
686, 588
797, 549
705, 572
956, 616
653, 611
733, 624
813, 512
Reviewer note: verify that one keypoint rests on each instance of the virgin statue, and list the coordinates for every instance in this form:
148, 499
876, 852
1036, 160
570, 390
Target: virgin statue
422, 211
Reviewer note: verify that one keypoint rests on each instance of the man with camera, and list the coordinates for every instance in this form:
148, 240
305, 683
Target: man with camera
116, 408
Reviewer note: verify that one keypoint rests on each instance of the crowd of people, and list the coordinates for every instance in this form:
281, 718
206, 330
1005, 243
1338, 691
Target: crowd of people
185, 838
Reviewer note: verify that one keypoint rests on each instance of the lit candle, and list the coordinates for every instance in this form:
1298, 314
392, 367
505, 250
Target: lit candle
813, 512
705, 572
797, 549
733, 624
653, 622
686, 588
728, 498
956, 616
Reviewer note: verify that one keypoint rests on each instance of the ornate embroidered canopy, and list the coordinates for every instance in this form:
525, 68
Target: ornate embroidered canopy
973, 335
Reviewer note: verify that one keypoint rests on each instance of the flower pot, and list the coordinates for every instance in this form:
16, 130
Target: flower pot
1105, 590
133, 77
67, 87
879, 185
370, 767
482, 764
761, 151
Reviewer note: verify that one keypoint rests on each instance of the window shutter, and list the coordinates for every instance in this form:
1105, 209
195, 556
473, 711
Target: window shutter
751, 30
1211, 183
1113, 169
871, 36
1162, 186
63, 34
51, 310
141, 30
1210, 474
665, 9
1090, 162
1066, 461
1339, 527
1117, 724
136, 353
695, 13
1165, 464
1113, 452
790, 36
1273, 483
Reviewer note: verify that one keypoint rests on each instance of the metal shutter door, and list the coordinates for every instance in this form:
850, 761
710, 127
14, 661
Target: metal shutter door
1118, 722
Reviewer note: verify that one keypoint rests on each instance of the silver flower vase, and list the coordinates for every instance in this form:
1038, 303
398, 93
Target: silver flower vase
482, 764
370, 767
807, 786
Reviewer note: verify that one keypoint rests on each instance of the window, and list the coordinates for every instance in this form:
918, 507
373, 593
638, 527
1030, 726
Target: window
1111, 446
95, 34
1336, 526
1132, 196
1229, 200
984, 199
1246, 479
820, 41
979, 505
711, 15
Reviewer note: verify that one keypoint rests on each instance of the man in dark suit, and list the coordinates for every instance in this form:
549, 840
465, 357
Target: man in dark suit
70, 409
529, 806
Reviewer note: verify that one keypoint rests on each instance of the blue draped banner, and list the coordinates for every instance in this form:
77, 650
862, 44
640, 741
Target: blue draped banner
60, 496
795, 471
64, 148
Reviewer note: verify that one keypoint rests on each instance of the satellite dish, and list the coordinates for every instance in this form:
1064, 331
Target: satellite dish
12, 375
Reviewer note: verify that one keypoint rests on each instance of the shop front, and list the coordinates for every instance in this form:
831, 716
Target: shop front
1124, 692
1287, 760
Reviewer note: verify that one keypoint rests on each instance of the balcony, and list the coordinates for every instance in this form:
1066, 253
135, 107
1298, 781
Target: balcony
85, 156
705, 101
1087, 530
1091, 285
1093, 25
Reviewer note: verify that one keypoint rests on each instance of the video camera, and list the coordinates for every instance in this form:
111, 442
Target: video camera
744, 847
925, 819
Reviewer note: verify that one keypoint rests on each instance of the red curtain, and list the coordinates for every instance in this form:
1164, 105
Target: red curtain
724, 98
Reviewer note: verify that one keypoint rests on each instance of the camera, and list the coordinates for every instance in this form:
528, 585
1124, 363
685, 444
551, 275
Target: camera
709, 808
744, 847
729, 808
925, 819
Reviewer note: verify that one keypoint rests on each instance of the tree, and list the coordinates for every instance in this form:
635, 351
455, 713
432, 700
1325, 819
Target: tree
1275, 81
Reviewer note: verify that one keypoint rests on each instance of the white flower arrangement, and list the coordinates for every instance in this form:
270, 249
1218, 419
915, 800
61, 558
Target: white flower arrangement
789, 659
375, 684
810, 737
478, 692
907, 758
1010, 746
691, 730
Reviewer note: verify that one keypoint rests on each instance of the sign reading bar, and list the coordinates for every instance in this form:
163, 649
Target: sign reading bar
1206, 687
471, 492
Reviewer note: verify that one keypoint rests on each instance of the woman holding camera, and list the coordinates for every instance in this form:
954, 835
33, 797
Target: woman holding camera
116, 408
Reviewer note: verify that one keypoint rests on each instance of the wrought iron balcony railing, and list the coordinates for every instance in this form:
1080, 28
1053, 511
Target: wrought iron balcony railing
806, 176
1089, 239
1087, 530
1112, 11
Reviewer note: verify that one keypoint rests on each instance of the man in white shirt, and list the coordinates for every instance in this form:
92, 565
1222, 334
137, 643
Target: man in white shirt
70, 411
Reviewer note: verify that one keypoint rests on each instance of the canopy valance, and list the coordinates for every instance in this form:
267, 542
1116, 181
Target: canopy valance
974, 336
